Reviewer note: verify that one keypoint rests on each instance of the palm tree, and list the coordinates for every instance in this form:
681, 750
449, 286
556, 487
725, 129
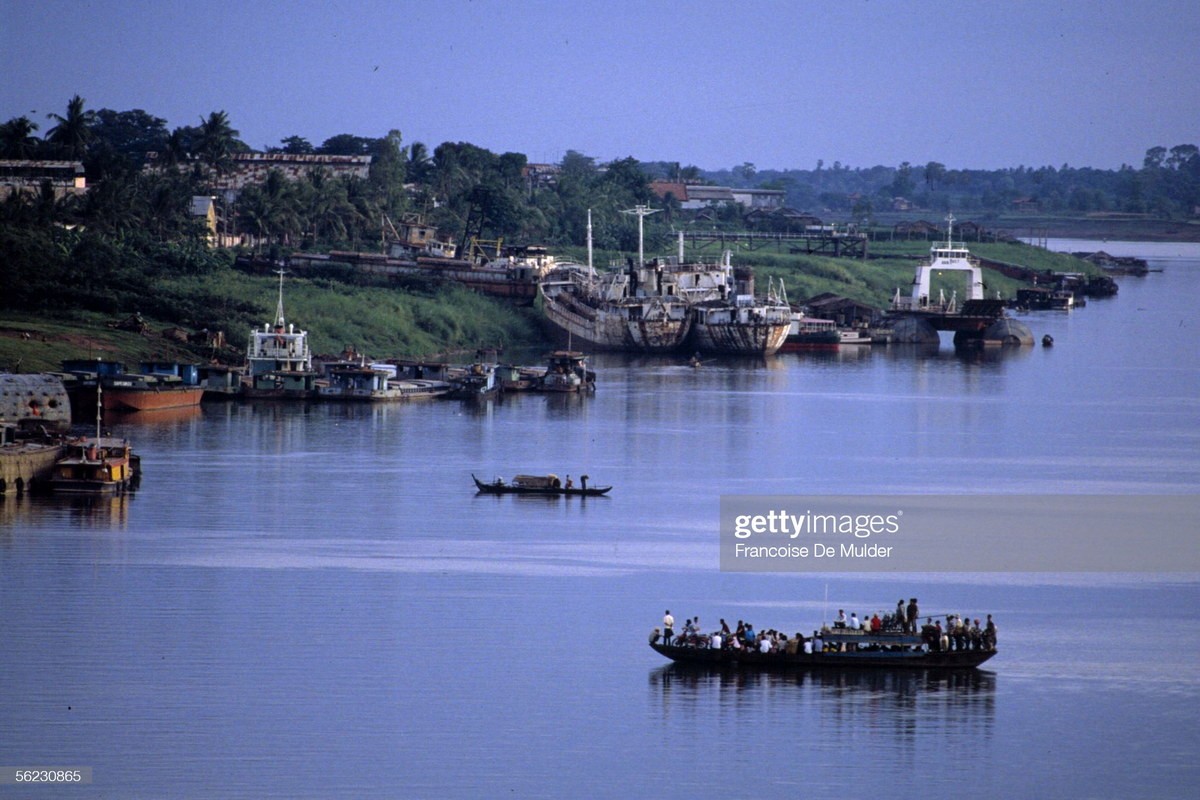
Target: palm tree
16, 138
15, 207
112, 204
419, 163
163, 202
327, 205
270, 209
253, 214
73, 132
366, 208
449, 175
217, 139
175, 150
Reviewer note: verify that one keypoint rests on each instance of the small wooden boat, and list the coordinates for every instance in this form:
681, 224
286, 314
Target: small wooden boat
810, 333
477, 382
104, 465
566, 371
96, 465
842, 650
539, 484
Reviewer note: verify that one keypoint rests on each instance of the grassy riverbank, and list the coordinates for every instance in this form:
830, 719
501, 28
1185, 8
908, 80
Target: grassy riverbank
418, 319
379, 321
872, 281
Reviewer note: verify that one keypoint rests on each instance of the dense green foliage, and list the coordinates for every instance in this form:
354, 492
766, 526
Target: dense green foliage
1167, 185
131, 243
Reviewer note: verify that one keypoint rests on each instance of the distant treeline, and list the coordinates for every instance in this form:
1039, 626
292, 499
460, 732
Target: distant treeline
1167, 185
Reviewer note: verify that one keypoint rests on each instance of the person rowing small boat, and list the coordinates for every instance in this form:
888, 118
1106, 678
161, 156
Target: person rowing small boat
540, 484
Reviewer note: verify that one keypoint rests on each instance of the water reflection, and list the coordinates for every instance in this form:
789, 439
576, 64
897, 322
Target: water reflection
899, 701
85, 512
956, 687
154, 417
835, 355
913, 353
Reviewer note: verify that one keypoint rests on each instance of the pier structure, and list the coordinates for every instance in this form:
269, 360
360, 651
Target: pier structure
30, 404
917, 318
24, 464
820, 240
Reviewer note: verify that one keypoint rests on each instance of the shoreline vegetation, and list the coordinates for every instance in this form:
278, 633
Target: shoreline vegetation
99, 222
415, 319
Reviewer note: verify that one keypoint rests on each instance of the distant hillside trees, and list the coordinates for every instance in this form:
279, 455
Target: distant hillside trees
1167, 184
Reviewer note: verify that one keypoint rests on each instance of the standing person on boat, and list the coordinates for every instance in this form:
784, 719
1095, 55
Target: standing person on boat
899, 621
989, 634
913, 615
570, 483
668, 627
928, 633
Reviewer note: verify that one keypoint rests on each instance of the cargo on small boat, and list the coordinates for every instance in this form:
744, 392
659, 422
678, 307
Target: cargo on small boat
102, 465
566, 371
540, 484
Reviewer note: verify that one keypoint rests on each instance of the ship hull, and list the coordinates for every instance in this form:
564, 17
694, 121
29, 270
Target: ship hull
613, 327
126, 400
752, 339
129, 400
862, 659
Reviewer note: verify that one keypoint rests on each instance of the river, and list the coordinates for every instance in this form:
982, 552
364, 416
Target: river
312, 601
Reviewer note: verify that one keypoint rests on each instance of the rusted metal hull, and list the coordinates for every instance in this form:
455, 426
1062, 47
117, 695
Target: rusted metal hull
151, 399
497, 281
614, 327
35, 399
25, 465
735, 338
127, 400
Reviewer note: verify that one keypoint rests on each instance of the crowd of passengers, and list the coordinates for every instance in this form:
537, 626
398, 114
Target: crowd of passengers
959, 633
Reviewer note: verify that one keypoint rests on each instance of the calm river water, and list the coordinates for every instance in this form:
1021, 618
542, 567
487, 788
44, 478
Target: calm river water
313, 602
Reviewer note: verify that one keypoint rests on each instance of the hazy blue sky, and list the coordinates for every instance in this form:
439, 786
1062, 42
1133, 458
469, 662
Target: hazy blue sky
780, 84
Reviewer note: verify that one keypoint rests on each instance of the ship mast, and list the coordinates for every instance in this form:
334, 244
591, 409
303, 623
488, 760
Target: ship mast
279, 307
642, 212
591, 269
